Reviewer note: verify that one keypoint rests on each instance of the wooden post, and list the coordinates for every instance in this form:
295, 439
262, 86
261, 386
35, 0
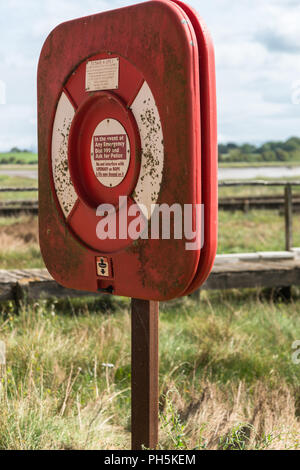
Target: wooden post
196, 295
288, 214
144, 374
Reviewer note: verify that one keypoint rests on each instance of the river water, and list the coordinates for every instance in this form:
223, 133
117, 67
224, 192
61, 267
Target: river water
224, 173
272, 172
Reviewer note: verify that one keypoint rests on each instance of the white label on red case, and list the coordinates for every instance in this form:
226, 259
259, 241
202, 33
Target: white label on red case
110, 152
102, 74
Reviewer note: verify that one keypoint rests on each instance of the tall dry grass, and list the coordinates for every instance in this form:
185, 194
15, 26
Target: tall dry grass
227, 380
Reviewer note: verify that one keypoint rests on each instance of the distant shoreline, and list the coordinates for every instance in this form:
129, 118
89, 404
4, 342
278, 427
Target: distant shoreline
257, 164
30, 160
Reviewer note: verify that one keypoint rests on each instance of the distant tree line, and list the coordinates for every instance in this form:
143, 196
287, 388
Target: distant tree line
273, 151
18, 156
17, 150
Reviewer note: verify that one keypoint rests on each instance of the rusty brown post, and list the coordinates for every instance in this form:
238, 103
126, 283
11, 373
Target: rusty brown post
288, 215
144, 374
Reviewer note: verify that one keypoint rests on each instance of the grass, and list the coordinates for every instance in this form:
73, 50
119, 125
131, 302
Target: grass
255, 191
18, 158
257, 230
7, 181
238, 232
30, 158
19, 247
238, 191
227, 380
19, 166
18, 181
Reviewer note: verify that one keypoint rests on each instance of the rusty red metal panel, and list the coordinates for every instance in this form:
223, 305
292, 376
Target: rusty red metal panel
151, 53
209, 149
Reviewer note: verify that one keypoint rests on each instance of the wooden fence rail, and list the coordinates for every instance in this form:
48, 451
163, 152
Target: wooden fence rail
240, 203
246, 270
288, 205
17, 190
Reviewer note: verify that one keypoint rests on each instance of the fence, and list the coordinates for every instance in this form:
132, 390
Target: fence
288, 202
239, 272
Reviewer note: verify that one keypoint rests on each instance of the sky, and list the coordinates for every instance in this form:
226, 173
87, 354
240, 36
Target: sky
257, 48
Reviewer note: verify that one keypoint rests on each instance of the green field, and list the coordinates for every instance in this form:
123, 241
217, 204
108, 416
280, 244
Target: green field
9, 158
30, 158
260, 230
19, 166
258, 190
17, 182
227, 379
256, 230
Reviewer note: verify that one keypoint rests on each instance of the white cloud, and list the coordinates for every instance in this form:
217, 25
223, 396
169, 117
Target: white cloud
254, 75
256, 44
2, 92
245, 54
18, 126
280, 29
57, 11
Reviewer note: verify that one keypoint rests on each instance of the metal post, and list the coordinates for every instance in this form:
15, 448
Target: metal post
288, 214
144, 374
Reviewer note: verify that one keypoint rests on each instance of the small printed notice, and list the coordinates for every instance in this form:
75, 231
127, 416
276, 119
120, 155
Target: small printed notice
102, 74
110, 153
110, 147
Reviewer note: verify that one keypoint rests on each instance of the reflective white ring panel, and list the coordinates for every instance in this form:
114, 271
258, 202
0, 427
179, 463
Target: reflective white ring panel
59, 153
147, 117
